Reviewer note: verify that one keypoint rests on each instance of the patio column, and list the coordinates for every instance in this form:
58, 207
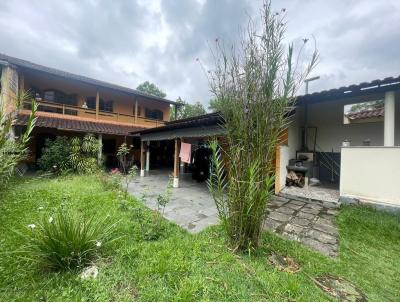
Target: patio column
176, 164
136, 111
389, 119
142, 155
100, 152
148, 156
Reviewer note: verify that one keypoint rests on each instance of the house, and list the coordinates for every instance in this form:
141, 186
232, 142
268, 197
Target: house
72, 105
347, 138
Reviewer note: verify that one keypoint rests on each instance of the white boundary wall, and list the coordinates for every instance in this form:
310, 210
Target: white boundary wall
371, 174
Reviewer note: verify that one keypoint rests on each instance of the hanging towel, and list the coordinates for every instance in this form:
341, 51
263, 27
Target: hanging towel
186, 152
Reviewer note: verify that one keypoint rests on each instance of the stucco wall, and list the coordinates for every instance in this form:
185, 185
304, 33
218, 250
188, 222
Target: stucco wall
371, 173
328, 118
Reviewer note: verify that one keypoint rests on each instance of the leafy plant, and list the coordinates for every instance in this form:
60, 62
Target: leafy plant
14, 150
67, 240
153, 229
255, 85
129, 173
83, 157
55, 153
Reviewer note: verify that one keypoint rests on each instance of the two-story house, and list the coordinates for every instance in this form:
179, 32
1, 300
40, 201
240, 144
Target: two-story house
73, 105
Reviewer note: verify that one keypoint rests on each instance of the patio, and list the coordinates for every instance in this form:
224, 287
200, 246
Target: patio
191, 205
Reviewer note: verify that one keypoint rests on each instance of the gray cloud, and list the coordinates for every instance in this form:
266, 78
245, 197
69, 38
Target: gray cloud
128, 42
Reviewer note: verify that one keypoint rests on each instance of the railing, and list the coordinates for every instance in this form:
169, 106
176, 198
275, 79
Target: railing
91, 113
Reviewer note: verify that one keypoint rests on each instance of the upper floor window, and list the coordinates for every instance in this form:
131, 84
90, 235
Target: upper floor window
55, 96
106, 106
155, 114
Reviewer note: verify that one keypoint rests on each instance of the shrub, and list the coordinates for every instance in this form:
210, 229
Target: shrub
67, 240
70, 154
54, 154
255, 84
83, 157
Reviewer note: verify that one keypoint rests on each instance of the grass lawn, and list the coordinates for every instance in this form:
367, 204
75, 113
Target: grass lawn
184, 267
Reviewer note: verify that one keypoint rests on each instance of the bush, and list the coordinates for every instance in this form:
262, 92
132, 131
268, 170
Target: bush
54, 154
70, 154
67, 240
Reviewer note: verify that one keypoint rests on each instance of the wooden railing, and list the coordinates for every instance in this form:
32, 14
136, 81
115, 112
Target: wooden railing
69, 110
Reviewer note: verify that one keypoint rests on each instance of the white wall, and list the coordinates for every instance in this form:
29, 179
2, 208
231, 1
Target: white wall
371, 174
328, 118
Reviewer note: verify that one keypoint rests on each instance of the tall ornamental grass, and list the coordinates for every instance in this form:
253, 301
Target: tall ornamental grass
254, 84
67, 240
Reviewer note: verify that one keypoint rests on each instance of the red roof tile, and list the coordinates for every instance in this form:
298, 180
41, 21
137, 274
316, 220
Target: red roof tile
366, 114
78, 125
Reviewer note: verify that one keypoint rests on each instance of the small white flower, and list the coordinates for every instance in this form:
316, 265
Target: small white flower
54, 166
40, 208
31, 226
98, 243
51, 219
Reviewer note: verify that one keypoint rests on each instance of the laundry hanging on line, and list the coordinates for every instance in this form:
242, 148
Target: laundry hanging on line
186, 152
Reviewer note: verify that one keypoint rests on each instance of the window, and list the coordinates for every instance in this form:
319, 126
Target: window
106, 106
60, 97
155, 114
364, 112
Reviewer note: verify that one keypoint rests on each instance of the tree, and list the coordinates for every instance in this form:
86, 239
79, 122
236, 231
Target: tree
255, 81
186, 110
152, 89
214, 105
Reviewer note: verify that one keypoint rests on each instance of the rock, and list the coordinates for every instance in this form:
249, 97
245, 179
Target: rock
90, 272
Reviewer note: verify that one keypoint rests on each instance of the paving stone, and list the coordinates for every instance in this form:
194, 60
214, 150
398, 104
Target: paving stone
325, 228
311, 211
324, 221
332, 212
293, 206
320, 236
297, 202
271, 224
280, 199
291, 236
291, 228
326, 249
285, 210
305, 215
279, 216
300, 221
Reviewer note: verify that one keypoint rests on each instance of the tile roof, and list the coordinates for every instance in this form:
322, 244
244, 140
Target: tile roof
375, 86
366, 114
76, 77
78, 125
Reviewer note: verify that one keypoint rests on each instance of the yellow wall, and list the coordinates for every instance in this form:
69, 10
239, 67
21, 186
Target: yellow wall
124, 103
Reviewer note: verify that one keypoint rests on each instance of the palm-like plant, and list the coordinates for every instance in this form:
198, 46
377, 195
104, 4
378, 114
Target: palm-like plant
13, 151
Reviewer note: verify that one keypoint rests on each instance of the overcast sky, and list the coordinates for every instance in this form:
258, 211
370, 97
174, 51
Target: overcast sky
128, 42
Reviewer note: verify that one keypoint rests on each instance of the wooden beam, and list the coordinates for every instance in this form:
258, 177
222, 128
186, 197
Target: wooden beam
176, 157
97, 104
136, 111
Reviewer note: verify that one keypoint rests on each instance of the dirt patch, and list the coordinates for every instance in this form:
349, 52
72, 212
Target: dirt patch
284, 263
340, 288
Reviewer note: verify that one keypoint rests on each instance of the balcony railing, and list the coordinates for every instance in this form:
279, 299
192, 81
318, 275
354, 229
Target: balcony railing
91, 113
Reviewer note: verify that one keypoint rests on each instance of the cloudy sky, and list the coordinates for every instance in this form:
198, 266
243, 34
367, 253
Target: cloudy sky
128, 42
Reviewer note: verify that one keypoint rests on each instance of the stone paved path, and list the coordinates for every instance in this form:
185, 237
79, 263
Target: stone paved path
191, 205
307, 221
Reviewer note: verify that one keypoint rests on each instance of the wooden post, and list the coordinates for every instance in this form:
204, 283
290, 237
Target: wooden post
148, 156
97, 104
142, 155
100, 152
136, 111
176, 163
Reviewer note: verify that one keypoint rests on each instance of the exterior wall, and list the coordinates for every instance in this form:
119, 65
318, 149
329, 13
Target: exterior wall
371, 174
9, 89
123, 104
331, 131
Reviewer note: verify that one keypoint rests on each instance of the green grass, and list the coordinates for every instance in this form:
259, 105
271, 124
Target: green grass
184, 267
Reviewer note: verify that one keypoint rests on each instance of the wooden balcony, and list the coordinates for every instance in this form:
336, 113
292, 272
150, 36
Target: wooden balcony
99, 115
